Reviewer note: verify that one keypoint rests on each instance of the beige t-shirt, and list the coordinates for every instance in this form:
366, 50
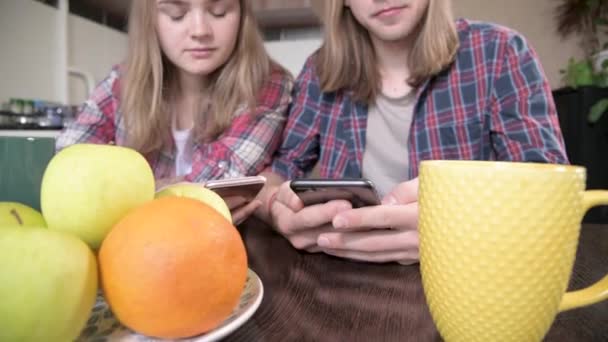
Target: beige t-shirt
385, 159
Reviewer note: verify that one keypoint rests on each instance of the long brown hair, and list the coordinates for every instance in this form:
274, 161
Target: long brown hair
149, 80
347, 61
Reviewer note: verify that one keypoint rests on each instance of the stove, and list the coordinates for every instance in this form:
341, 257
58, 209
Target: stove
47, 120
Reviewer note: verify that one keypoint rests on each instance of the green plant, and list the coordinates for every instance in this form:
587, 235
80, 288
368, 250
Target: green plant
578, 73
588, 19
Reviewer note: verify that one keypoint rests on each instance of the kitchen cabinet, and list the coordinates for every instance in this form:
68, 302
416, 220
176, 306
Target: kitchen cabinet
281, 13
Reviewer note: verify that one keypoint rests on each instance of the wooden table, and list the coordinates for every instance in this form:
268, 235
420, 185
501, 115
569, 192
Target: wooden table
315, 297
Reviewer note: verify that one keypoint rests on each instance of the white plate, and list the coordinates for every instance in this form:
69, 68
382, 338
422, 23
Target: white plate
103, 326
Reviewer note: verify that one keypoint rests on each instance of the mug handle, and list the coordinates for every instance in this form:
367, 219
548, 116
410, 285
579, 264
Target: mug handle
598, 291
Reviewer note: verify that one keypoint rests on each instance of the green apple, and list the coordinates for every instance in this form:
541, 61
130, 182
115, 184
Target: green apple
48, 285
86, 189
17, 214
197, 192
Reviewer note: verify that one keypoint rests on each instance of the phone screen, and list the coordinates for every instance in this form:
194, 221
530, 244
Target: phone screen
360, 192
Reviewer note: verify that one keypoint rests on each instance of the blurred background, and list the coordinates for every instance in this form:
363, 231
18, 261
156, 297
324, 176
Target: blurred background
41, 39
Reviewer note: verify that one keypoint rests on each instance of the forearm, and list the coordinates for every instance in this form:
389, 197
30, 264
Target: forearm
268, 194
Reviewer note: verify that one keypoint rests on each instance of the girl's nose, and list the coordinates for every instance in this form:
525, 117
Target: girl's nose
200, 27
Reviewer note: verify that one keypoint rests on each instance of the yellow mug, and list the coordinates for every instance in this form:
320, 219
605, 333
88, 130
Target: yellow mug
497, 245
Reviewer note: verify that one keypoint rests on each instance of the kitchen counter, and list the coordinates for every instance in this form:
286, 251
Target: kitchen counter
30, 133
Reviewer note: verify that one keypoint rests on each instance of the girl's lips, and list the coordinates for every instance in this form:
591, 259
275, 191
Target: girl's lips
200, 53
388, 12
200, 49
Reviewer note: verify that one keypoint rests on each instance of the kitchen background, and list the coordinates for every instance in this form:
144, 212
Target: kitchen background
42, 43
57, 50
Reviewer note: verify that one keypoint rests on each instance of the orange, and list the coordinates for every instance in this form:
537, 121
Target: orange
173, 268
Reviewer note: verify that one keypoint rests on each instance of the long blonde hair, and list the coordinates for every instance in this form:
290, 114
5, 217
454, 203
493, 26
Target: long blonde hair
347, 61
149, 80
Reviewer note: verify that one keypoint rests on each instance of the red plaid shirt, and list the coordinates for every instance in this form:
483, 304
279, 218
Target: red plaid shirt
245, 148
492, 103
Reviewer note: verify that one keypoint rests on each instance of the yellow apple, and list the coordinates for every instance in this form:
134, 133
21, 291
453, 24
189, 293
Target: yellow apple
86, 189
48, 285
17, 214
197, 192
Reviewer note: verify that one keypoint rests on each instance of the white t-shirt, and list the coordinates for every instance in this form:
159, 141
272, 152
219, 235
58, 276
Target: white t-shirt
184, 150
386, 157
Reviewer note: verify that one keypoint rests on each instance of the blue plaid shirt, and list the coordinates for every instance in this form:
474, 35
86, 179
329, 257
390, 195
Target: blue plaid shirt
493, 103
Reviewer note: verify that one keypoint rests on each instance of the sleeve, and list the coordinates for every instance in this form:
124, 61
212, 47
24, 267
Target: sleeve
95, 122
524, 123
299, 151
247, 146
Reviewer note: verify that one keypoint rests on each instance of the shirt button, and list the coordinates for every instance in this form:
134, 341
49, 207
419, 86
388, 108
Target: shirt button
222, 165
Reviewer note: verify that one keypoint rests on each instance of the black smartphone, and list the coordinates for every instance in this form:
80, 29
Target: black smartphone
360, 192
247, 187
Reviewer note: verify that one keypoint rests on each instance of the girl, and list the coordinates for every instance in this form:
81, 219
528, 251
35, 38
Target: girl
396, 82
197, 95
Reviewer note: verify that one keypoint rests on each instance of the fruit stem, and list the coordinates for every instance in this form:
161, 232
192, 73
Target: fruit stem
17, 217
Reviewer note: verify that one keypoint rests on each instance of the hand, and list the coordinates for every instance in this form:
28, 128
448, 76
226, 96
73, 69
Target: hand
303, 225
241, 208
384, 233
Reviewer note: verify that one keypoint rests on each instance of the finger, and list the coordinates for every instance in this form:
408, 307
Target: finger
307, 240
234, 202
402, 257
243, 213
314, 249
282, 218
371, 241
404, 193
410, 261
402, 217
287, 197
310, 217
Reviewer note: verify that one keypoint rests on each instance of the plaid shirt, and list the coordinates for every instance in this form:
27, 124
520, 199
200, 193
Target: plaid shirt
492, 103
245, 148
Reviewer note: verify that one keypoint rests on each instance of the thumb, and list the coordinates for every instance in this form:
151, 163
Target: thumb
403, 193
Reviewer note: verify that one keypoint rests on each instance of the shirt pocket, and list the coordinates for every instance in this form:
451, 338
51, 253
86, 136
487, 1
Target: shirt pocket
459, 133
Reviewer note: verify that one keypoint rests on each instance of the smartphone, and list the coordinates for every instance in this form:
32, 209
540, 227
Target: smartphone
360, 192
247, 187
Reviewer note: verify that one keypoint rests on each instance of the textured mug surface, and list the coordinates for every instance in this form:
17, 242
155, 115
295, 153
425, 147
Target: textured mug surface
497, 245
